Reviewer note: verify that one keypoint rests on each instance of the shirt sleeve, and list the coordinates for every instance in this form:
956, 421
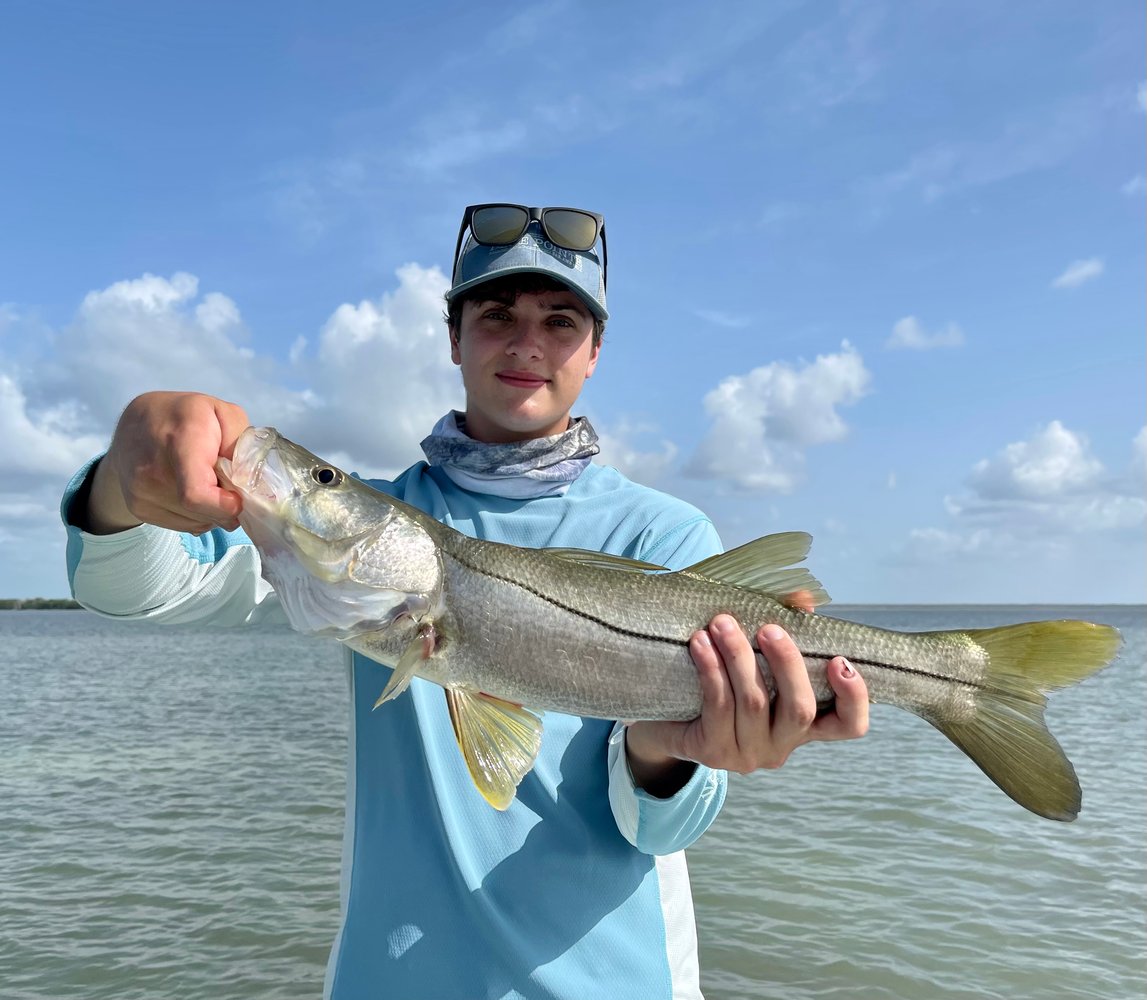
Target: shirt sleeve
654, 825
152, 573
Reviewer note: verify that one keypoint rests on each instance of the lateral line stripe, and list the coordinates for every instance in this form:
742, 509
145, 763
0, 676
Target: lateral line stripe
895, 667
564, 607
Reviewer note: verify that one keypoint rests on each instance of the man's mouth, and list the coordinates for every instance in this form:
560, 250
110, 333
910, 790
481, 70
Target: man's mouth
521, 380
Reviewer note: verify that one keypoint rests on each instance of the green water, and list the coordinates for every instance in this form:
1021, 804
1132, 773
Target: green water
172, 818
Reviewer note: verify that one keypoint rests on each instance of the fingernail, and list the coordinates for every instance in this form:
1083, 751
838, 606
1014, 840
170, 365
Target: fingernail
702, 638
774, 632
720, 624
846, 670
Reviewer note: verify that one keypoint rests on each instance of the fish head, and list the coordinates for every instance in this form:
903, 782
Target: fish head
344, 558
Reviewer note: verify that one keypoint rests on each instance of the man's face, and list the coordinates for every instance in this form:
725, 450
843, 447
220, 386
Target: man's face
523, 365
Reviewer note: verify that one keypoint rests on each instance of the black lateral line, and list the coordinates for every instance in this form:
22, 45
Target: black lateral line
895, 667
572, 610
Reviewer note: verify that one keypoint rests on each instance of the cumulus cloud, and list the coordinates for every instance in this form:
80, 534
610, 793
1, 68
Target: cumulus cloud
376, 378
1054, 462
49, 441
910, 334
156, 333
1079, 271
628, 447
762, 422
1048, 493
381, 374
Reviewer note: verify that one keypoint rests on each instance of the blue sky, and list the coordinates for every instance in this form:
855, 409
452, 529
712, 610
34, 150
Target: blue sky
876, 268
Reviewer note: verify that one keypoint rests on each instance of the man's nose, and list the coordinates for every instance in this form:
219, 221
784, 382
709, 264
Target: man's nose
527, 339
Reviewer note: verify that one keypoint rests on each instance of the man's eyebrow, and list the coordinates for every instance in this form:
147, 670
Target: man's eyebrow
574, 305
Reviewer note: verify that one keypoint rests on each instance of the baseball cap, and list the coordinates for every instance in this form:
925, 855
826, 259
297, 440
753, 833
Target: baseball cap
532, 253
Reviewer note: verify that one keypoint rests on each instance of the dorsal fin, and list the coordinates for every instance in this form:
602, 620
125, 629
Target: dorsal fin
603, 560
766, 565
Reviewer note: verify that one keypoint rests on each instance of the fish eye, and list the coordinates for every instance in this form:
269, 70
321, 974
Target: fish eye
324, 475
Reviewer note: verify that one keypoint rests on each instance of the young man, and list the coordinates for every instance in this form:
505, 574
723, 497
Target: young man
579, 889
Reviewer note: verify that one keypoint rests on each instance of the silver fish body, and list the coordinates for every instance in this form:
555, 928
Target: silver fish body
564, 636
500, 627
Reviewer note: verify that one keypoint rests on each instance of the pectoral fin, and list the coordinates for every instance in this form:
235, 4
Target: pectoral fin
498, 739
412, 657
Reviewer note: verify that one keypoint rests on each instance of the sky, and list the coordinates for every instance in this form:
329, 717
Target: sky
876, 269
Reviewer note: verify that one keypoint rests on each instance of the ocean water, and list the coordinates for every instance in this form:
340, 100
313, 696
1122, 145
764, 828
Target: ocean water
171, 816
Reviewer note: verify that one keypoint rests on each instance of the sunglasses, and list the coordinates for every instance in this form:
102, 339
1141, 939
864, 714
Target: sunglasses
497, 225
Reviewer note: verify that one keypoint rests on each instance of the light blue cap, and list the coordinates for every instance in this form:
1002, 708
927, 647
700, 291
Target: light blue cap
532, 254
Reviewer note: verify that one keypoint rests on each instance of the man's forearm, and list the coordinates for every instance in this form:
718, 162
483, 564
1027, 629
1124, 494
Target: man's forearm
100, 507
654, 772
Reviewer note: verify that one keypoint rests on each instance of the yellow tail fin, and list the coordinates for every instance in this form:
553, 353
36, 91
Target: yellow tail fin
1008, 738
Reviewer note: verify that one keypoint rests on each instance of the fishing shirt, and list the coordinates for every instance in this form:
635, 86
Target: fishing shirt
580, 888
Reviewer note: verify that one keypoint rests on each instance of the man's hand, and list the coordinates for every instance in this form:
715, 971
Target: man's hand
160, 467
738, 730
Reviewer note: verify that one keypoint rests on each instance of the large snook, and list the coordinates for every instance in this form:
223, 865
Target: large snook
588, 634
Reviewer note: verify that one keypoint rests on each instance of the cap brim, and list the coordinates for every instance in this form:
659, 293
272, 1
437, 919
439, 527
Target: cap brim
580, 272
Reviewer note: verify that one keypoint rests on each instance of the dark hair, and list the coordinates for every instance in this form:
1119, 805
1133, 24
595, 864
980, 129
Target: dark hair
506, 290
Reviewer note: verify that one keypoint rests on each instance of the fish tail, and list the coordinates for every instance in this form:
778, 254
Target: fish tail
1007, 737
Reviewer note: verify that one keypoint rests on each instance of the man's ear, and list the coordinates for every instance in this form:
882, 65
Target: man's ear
594, 355
455, 351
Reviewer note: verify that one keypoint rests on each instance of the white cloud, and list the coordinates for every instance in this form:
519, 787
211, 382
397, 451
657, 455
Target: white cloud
1139, 450
1137, 185
932, 542
38, 442
1079, 271
382, 374
1044, 499
762, 422
777, 214
908, 333
835, 63
156, 333
729, 321
623, 446
1021, 147
1054, 462
452, 139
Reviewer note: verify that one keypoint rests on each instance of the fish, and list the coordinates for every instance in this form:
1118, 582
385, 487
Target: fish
512, 632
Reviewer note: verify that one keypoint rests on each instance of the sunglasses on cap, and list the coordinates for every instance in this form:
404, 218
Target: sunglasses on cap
499, 224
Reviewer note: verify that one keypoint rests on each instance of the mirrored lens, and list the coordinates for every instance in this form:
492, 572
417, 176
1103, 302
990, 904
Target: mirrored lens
499, 224
570, 229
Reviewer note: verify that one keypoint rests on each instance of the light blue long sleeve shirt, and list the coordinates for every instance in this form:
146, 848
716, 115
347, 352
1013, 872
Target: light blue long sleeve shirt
579, 889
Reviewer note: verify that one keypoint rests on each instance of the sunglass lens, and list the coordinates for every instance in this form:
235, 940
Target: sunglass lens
498, 224
570, 229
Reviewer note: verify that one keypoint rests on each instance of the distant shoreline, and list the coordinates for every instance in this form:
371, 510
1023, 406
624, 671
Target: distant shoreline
39, 604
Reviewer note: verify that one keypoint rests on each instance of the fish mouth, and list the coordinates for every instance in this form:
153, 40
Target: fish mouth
256, 470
